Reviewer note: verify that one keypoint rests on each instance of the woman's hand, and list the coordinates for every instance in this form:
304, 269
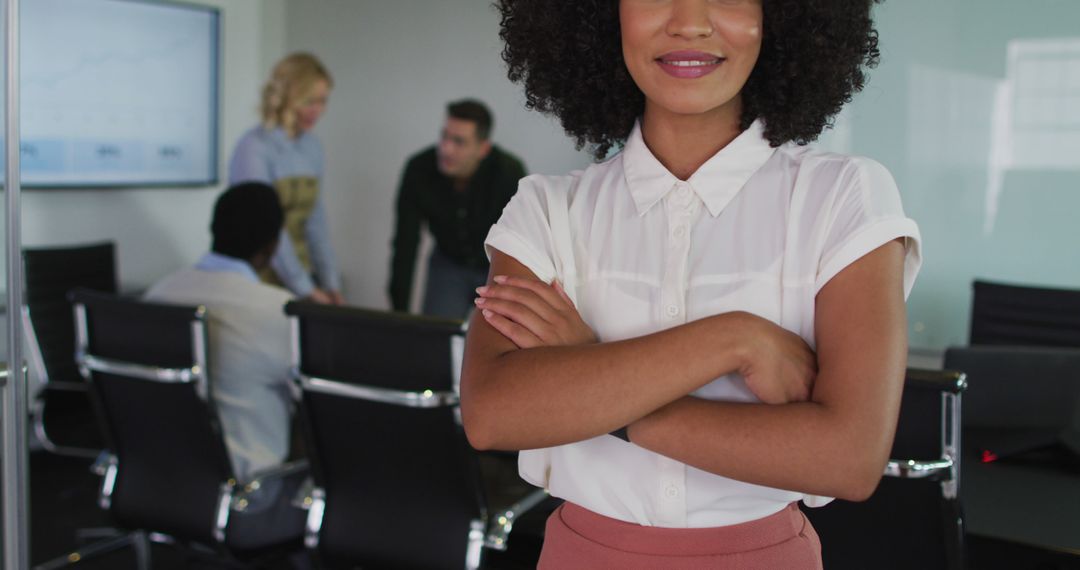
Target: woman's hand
777, 365
532, 313
319, 296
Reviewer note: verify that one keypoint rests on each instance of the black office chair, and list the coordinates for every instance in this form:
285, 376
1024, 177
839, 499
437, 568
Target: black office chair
167, 475
1022, 399
1018, 387
1021, 432
63, 417
913, 519
1024, 316
396, 483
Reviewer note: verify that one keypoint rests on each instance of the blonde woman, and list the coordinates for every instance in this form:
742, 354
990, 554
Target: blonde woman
284, 153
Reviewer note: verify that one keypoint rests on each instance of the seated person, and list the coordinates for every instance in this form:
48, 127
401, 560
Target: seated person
248, 336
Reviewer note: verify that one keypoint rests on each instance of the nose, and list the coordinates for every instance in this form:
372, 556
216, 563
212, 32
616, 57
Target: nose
446, 147
690, 19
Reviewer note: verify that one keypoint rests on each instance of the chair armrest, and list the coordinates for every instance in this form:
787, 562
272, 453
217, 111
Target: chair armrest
239, 499
107, 467
912, 469
305, 495
62, 386
503, 521
41, 432
276, 472
950, 381
102, 463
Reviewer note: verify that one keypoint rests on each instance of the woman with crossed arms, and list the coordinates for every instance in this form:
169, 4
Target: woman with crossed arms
693, 335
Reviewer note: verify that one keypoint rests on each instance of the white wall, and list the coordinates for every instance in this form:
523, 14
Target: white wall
160, 230
396, 65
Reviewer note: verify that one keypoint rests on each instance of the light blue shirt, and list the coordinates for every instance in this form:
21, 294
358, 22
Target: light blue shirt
264, 155
248, 350
215, 262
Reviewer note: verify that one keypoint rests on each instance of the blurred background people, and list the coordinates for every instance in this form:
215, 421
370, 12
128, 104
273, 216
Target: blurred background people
458, 188
284, 153
248, 335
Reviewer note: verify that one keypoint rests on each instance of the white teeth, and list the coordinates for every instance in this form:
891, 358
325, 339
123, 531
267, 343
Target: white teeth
696, 63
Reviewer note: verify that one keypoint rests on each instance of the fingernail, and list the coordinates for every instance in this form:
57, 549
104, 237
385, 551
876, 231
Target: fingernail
499, 279
479, 300
487, 313
481, 290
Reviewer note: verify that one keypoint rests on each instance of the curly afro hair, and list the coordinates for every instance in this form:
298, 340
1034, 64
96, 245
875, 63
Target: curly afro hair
813, 59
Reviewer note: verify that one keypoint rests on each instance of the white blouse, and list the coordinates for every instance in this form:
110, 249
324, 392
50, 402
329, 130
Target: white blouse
755, 229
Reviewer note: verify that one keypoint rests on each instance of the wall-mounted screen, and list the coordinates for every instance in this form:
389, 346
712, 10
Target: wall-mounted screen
118, 93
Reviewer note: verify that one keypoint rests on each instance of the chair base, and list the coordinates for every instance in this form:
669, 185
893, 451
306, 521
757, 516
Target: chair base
118, 540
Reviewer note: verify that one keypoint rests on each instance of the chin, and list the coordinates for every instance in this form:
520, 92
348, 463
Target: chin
694, 102
697, 97
689, 107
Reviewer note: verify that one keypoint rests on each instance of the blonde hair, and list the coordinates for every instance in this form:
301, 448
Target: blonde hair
290, 82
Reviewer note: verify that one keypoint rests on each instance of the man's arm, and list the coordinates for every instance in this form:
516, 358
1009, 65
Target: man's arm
836, 444
515, 171
406, 240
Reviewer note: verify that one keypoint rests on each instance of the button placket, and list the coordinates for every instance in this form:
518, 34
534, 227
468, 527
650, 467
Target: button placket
671, 492
680, 206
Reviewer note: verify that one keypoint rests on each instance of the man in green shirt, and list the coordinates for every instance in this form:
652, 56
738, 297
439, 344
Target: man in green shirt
458, 188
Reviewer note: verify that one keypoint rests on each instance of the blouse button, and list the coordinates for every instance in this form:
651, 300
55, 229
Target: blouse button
671, 491
679, 231
672, 310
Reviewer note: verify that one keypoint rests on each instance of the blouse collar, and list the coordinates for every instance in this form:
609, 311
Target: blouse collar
716, 182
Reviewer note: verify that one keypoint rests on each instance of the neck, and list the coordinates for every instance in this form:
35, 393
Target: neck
682, 143
258, 262
461, 181
252, 261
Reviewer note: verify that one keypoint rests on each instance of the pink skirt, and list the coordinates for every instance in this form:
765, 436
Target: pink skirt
579, 538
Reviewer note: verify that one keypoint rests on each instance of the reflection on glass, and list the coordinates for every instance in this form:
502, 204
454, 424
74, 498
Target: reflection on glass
1044, 81
1036, 119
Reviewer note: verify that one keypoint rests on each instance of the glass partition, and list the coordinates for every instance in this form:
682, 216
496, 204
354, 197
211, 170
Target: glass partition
975, 109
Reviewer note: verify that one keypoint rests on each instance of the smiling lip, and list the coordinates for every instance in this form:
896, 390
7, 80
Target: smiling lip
689, 64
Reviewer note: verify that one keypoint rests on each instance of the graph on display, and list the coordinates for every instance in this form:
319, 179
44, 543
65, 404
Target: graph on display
118, 93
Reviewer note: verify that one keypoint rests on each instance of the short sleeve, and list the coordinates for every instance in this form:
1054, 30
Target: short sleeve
866, 213
524, 229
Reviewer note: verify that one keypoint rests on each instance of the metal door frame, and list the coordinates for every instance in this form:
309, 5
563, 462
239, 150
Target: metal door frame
13, 389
